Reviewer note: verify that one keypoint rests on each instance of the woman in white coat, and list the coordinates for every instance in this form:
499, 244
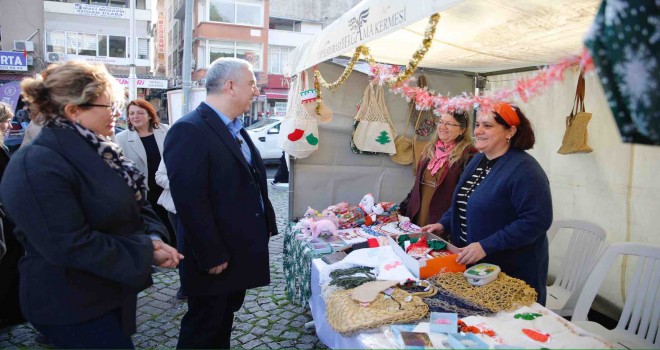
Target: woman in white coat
143, 144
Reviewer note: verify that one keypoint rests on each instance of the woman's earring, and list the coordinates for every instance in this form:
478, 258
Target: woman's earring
508, 140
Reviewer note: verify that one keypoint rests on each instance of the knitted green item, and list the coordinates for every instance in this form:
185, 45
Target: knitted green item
351, 277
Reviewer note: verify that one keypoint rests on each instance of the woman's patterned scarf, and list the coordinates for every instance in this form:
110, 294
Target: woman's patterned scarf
442, 153
109, 151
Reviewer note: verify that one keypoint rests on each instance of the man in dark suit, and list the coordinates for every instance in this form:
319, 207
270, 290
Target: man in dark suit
218, 184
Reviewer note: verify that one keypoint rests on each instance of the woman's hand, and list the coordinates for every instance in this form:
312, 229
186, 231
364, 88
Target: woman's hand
165, 255
471, 254
433, 228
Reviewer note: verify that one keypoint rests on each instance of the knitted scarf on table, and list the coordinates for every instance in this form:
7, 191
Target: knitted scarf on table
109, 151
442, 153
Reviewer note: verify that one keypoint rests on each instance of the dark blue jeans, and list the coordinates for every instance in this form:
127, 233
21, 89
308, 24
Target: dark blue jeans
104, 332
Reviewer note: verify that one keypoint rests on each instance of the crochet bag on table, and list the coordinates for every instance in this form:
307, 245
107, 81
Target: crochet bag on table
373, 130
346, 315
505, 293
299, 134
576, 135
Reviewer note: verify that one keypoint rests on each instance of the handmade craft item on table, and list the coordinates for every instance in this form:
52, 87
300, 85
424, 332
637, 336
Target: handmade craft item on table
444, 301
443, 322
505, 293
346, 315
547, 330
368, 292
374, 213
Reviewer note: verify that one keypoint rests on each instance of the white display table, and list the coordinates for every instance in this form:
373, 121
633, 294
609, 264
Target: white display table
565, 334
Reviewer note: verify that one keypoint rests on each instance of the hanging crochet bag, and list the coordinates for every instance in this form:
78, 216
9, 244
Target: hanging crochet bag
299, 131
373, 130
404, 145
575, 137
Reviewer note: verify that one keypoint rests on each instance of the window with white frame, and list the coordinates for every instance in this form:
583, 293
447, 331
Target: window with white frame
248, 12
55, 41
278, 58
98, 45
247, 51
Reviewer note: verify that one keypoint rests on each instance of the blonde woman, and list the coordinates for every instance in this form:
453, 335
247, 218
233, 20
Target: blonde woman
90, 235
439, 169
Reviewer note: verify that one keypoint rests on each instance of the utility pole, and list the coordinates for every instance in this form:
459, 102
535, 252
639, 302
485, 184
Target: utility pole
132, 89
186, 68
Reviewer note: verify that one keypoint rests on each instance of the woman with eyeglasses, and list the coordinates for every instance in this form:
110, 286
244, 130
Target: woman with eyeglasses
502, 208
80, 211
439, 169
143, 144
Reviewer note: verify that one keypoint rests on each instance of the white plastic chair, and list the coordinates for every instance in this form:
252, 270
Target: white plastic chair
586, 244
639, 324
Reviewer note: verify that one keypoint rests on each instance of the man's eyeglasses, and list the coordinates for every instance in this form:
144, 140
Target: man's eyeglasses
114, 108
447, 124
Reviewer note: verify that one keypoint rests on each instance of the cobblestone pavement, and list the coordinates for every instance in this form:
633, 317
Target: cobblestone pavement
266, 321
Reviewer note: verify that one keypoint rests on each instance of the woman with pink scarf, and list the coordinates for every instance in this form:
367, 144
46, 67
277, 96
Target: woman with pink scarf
439, 169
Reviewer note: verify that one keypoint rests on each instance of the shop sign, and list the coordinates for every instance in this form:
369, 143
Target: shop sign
101, 59
10, 93
14, 61
161, 32
362, 27
277, 81
99, 11
145, 83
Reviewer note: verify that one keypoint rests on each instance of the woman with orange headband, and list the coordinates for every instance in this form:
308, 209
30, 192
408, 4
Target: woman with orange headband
502, 208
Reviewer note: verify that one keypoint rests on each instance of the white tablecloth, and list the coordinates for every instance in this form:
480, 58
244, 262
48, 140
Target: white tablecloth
569, 336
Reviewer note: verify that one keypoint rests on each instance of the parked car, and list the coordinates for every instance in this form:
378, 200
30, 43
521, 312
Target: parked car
264, 134
14, 136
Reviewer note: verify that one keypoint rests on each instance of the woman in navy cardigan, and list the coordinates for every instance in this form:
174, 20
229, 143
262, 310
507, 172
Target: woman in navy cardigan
502, 208
79, 208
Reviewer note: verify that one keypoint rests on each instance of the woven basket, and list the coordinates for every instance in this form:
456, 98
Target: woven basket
404, 151
404, 145
346, 315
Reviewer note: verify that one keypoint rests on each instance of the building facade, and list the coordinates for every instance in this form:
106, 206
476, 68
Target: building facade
21, 33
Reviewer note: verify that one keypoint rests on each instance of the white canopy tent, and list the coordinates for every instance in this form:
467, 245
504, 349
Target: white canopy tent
472, 35
614, 187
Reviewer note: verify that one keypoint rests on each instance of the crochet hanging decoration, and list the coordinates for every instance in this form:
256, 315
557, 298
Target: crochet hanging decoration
505, 293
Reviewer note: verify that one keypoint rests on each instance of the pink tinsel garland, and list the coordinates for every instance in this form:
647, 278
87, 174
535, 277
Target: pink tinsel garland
524, 89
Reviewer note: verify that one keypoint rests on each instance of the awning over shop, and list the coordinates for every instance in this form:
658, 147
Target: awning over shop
6, 78
277, 94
